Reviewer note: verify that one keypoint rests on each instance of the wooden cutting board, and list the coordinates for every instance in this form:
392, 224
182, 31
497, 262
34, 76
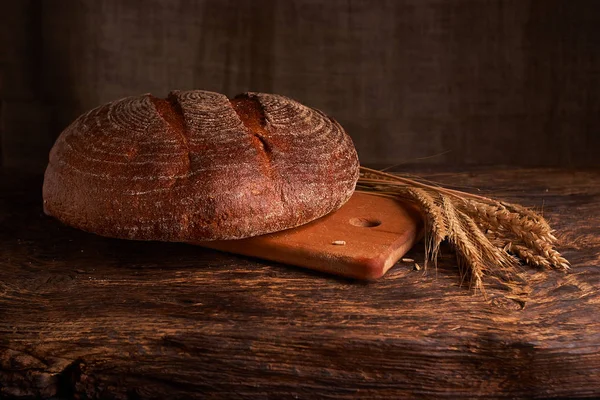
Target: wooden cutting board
363, 239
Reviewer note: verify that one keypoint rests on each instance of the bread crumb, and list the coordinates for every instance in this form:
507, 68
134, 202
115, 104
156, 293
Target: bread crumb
339, 242
408, 260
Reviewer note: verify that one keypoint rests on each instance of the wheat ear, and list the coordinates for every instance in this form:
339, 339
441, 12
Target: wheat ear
488, 236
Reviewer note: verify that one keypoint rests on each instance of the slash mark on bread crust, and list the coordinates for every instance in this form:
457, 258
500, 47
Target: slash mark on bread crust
253, 117
170, 110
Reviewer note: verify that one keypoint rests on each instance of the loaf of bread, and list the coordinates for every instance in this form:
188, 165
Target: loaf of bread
198, 166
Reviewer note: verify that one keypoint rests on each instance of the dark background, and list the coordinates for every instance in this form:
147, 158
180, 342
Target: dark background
469, 82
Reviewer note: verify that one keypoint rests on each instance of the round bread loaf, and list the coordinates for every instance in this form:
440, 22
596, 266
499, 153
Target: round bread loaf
198, 166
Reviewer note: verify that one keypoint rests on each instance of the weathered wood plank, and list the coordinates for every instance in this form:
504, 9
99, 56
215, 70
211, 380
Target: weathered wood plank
101, 318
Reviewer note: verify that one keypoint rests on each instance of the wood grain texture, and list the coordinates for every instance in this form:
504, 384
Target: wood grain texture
86, 316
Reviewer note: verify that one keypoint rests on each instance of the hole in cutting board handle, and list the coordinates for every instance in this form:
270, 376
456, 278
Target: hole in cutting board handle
365, 222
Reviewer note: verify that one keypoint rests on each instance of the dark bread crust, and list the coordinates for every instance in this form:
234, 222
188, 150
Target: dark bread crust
198, 166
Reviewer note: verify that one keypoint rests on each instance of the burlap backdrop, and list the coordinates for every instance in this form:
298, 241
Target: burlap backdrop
489, 82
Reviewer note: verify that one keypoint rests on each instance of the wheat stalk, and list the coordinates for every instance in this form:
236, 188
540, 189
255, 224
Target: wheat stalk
489, 236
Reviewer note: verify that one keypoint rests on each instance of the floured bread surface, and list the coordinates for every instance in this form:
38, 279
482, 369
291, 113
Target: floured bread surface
198, 166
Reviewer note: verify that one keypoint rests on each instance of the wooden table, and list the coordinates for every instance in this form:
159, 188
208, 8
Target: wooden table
89, 317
